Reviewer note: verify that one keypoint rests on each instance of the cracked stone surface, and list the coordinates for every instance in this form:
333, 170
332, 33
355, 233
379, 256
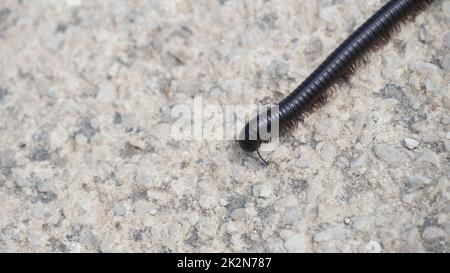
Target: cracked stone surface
87, 162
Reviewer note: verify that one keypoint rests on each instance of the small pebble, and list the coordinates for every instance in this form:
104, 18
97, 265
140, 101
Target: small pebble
445, 62
145, 172
445, 120
45, 186
291, 215
429, 137
373, 247
411, 143
431, 233
120, 209
447, 145
446, 8
178, 187
418, 181
7, 158
263, 191
409, 198
223, 202
429, 157
262, 203
142, 207
238, 214
335, 233
295, 244
447, 39
446, 101
359, 162
391, 155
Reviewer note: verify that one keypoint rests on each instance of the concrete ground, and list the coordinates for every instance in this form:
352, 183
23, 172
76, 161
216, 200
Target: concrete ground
87, 161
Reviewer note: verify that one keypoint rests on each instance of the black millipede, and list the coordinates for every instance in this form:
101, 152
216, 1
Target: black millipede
372, 35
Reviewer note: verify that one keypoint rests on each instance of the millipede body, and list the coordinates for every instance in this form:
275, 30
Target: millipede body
372, 35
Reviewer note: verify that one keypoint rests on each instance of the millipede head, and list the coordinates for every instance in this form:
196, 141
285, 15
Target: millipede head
249, 140
249, 145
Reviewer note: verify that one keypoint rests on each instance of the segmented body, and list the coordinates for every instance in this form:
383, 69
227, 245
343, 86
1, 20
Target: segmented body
372, 35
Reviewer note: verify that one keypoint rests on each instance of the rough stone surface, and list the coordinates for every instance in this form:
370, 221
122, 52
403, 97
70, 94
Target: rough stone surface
88, 164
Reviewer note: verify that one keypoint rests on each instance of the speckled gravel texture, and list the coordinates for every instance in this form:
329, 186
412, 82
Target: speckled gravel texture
87, 163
